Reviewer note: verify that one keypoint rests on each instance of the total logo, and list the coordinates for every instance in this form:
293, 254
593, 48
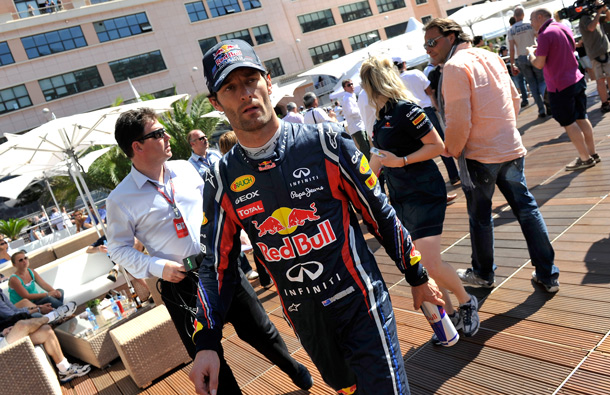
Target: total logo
301, 245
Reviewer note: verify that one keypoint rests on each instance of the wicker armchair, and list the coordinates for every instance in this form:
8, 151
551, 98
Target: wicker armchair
27, 370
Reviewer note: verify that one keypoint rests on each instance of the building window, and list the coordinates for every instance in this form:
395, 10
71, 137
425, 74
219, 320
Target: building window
196, 11
418, 2
5, 54
426, 19
99, 1
262, 34
364, 39
223, 7
396, 30
34, 8
124, 26
207, 43
70, 83
354, 11
14, 98
389, 5
240, 35
135, 66
274, 67
251, 4
325, 52
316, 20
53, 42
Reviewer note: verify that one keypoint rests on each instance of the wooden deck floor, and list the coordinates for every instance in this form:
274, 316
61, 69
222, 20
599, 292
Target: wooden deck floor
530, 342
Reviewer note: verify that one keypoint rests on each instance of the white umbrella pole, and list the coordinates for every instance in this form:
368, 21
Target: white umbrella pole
46, 217
88, 193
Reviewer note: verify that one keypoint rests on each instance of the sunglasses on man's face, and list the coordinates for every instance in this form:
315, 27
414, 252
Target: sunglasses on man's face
431, 43
350, 85
2, 242
156, 134
202, 138
25, 258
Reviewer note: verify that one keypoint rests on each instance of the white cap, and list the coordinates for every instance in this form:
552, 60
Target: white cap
397, 59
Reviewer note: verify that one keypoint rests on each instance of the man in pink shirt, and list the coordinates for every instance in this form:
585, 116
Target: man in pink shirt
480, 104
565, 83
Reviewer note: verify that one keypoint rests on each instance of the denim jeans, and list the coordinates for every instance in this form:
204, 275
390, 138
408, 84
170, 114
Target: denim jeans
535, 79
510, 179
49, 299
452, 170
519, 81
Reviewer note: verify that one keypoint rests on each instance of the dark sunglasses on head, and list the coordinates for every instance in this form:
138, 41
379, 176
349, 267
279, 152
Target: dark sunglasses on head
431, 43
156, 134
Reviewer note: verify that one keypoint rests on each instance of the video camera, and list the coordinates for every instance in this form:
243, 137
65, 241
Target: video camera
580, 8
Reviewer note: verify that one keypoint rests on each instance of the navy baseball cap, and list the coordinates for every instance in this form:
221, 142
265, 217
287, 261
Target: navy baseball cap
225, 57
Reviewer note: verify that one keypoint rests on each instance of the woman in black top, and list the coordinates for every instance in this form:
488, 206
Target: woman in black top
407, 143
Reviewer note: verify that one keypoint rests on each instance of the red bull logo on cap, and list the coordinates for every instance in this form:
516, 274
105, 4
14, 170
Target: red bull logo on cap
224, 49
227, 53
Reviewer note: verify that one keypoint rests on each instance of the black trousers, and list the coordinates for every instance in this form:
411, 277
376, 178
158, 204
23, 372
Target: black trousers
248, 317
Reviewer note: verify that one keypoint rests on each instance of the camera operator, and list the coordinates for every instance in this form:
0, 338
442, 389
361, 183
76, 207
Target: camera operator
597, 47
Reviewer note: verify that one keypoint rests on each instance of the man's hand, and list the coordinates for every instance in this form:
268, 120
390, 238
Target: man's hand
428, 292
103, 249
46, 308
6, 331
173, 272
204, 373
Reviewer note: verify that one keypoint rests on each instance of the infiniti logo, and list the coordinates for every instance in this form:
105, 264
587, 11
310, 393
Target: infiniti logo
297, 272
301, 172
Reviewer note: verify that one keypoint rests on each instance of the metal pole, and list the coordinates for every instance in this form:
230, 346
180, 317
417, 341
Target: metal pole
82, 196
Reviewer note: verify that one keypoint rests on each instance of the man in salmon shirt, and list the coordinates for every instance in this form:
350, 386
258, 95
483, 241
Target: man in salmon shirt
480, 104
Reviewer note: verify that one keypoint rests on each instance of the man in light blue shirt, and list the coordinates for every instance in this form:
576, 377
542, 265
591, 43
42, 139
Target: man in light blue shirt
202, 157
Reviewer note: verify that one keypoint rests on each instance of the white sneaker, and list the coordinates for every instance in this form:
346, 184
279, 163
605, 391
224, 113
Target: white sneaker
75, 370
252, 275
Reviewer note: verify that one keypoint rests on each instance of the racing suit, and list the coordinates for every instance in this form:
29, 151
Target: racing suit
297, 207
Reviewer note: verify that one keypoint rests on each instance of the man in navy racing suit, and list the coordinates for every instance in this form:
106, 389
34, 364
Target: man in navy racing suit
294, 189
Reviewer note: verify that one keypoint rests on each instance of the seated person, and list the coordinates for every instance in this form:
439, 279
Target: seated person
35, 232
27, 288
9, 314
79, 220
5, 256
41, 333
89, 223
100, 246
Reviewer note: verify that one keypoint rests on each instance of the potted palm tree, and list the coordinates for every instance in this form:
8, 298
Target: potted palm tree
13, 227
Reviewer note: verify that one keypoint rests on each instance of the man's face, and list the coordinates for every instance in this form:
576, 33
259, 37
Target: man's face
442, 45
535, 21
199, 143
349, 87
155, 149
244, 98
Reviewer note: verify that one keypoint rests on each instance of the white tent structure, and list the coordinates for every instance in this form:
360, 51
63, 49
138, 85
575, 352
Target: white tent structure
473, 14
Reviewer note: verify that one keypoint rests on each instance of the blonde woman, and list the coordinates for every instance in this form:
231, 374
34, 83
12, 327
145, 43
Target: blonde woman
407, 144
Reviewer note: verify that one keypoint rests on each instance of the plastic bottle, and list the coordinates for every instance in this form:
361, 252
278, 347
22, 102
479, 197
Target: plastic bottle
92, 319
116, 310
441, 324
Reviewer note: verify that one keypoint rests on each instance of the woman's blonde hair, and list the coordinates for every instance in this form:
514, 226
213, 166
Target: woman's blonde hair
227, 141
379, 78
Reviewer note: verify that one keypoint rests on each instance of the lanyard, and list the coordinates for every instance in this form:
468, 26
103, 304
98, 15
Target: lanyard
172, 201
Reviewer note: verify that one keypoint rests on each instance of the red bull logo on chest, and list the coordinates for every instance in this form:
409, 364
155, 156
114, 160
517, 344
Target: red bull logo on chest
285, 220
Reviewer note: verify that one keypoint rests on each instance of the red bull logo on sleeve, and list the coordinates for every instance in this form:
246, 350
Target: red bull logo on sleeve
242, 183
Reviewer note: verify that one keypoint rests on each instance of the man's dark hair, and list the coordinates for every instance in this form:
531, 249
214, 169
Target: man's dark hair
308, 99
345, 82
213, 94
448, 26
477, 40
130, 127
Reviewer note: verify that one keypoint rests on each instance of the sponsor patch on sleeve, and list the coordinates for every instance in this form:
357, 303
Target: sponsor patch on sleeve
364, 165
205, 219
371, 181
420, 118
